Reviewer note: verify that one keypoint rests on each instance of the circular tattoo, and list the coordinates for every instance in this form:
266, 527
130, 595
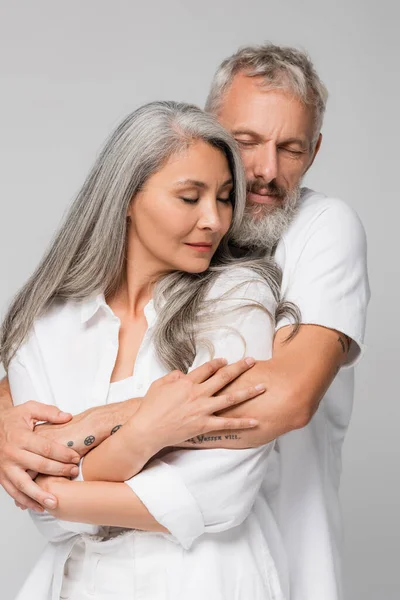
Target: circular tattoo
115, 429
89, 440
70, 444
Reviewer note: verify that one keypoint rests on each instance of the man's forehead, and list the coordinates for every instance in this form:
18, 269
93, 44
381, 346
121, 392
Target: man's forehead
250, 106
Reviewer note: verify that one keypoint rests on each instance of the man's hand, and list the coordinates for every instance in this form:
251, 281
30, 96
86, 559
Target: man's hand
21, 450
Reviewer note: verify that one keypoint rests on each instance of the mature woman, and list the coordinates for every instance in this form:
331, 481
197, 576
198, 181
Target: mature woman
138, 282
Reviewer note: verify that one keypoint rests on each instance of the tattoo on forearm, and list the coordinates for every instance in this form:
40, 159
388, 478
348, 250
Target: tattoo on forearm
115, 429
70, 444
89, 440
345, 342
200, 439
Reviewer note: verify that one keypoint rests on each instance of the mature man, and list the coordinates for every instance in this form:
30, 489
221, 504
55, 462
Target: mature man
273, 102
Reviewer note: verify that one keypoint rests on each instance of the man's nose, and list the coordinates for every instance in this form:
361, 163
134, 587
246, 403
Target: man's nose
266, 162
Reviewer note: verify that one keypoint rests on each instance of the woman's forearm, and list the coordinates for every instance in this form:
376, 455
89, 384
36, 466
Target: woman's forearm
119, 457
101, 503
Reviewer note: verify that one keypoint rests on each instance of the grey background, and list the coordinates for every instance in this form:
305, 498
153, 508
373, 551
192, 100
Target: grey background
71, 70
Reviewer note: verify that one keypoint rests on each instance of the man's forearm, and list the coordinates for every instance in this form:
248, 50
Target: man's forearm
5, 395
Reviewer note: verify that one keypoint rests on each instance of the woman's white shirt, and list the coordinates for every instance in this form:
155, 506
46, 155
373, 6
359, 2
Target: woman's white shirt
209, 500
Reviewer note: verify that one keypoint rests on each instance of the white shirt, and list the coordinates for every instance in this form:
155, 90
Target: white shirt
324, 260
209, 500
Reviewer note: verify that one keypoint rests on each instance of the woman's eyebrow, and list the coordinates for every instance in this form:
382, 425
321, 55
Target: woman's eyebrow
200, 184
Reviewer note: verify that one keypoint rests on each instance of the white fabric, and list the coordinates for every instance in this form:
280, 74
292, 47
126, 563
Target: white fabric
323, 256
208, 499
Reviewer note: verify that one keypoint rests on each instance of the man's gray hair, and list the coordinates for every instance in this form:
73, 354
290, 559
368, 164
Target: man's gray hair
282, 68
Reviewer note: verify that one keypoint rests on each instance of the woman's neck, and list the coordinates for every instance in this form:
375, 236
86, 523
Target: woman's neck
136, 289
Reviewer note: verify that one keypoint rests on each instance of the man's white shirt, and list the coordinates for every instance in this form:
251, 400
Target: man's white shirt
323, 256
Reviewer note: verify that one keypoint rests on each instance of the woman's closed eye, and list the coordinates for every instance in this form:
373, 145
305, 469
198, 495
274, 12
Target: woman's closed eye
226, 200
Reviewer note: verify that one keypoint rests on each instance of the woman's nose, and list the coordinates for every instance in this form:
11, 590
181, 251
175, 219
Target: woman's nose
210, 217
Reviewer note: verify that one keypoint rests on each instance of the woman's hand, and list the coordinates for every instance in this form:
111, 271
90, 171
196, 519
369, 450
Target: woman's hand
178, 407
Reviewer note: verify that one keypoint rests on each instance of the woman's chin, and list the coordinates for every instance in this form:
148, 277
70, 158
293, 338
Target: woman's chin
200, 267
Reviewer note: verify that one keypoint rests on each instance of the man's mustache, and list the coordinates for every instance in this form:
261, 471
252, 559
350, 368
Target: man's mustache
270, 189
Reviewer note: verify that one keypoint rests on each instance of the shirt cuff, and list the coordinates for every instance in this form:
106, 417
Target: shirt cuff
167, 498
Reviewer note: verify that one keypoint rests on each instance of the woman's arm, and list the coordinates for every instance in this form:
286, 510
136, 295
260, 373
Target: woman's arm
190, 492
93, 503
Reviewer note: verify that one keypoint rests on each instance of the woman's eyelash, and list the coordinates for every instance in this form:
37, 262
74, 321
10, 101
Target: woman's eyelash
189, 200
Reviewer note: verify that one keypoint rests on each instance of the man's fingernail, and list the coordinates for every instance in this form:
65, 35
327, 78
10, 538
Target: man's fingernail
50, 503
74, 471
76, 460
64, 414
260, 387
253, 422
250, 361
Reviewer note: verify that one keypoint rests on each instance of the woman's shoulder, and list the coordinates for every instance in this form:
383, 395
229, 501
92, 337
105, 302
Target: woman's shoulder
242, 283
61, 315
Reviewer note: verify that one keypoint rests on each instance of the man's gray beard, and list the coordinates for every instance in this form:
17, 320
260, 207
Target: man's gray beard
262, 227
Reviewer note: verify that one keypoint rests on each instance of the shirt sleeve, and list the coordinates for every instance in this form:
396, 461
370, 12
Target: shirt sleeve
329, 279
22, 390
192, 492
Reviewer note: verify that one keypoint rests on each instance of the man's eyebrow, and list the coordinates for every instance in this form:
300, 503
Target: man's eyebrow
200, 184
302, 143
248, 132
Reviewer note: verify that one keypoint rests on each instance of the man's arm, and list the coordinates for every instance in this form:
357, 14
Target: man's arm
296, 379
21, 450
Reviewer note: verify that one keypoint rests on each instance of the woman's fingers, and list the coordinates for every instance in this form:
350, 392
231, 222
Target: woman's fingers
225, 401
230, 424
204, 372
225, 376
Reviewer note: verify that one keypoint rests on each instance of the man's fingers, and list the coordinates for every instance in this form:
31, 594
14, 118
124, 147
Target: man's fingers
46, 466
19, 497
39, 444
23, 484
204, 372
226, 375
219, 403
46, 412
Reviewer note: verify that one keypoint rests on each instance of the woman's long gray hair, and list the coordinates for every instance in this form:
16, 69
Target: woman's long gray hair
88, 253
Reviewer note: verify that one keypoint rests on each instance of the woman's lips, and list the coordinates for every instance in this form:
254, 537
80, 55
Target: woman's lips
200, 247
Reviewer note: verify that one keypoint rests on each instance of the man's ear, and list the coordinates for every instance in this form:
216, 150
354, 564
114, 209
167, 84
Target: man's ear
315, 152
316, 149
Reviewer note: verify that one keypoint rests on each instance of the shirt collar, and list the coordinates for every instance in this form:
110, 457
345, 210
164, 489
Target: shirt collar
91, 305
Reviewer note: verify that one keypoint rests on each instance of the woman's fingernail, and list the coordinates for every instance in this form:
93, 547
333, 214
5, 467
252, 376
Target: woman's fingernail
253, 422
50, 503
250, 361
74, 471
260, 387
